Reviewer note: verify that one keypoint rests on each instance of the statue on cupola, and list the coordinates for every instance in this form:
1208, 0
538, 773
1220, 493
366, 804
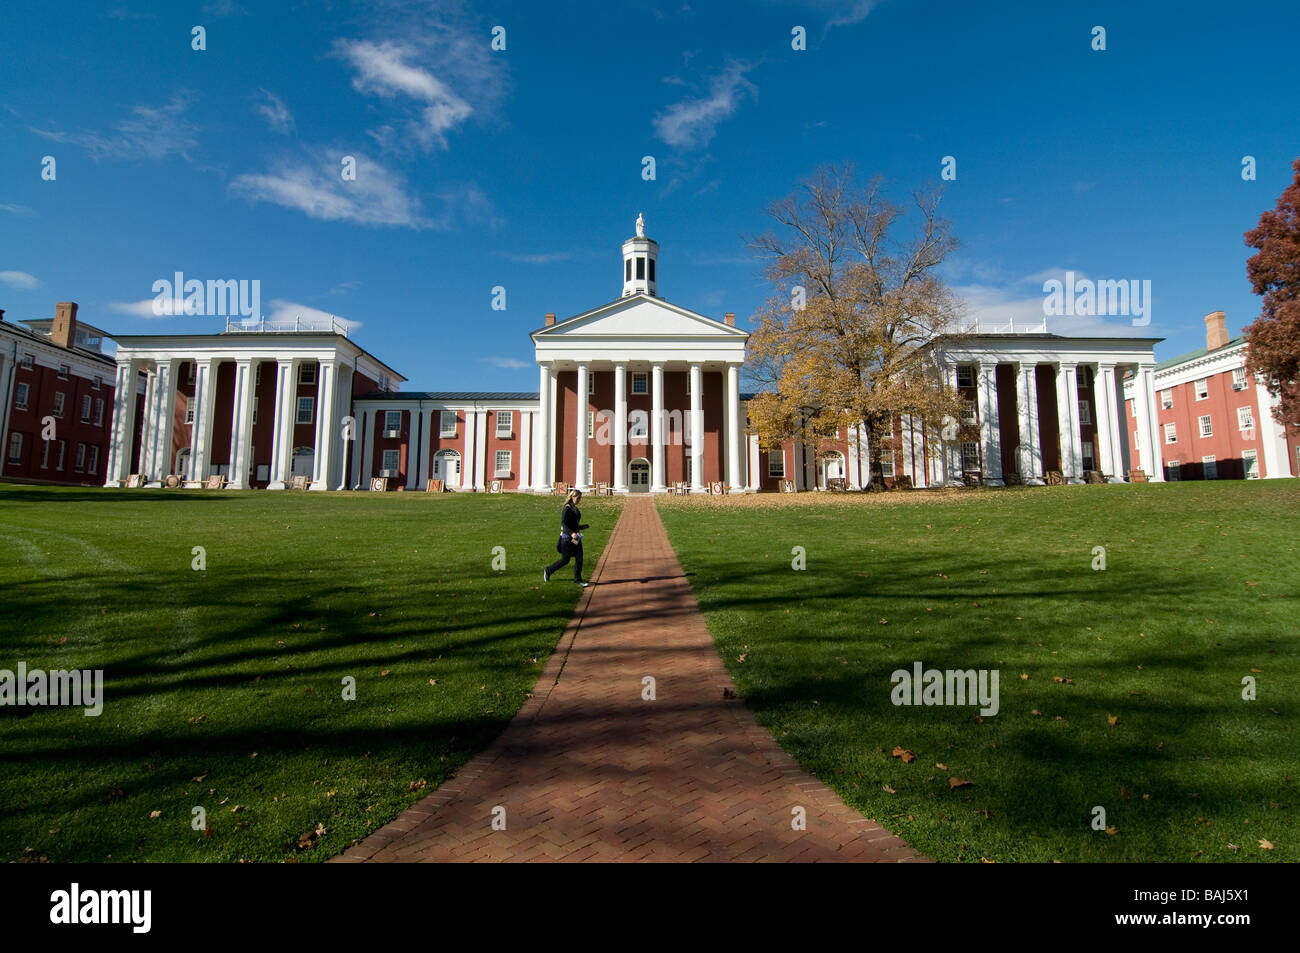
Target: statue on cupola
640, 225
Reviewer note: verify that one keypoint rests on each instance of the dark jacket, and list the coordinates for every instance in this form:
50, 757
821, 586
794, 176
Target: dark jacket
571, 521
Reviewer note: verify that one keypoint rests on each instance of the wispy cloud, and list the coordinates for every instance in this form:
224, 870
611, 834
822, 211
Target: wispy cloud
692, 122
14, 209
276, 112
508, 363
314, 185
343, 287
853, 12
540, 258
139, 309
149, 132
224, 8
19, 279
283, 311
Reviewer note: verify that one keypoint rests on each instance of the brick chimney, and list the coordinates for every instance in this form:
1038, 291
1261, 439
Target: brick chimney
550, 319
64, 330
730, 319
1216, 330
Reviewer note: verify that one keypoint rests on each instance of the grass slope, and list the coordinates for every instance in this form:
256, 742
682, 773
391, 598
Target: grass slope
1201, 588
224, 687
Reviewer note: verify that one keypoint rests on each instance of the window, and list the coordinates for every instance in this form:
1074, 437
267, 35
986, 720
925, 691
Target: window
776, 463
257, 375
1206, 429
1203, 388
627, 269
96, 383
1245, 419
640, 267
689, 375
1087, 455
639, 384
307, 374
392, 420
969, 413
591, 423
447, 424
965, 375
639, 423
1174, 471
1166, 399
887, 463
45, 453
589, 471
86, 403
189, 410
392, 459
652, 269
99, 411
1171, 433
80, 465
1085, 413
58, 404
190, 371
1210, 468
20, 396
1132, 408
591, 383
64, 371
254, 411
63, 452
28, 361
15, 447
1238, 378
502, 468
306, 405
1250, 459
505, 422
92, 459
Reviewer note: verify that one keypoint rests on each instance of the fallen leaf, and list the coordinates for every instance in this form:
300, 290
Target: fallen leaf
416, 785
154, 815
1112, 830
941, 767
1112, 719
1264, 844
900, 752
887, 789
958, 783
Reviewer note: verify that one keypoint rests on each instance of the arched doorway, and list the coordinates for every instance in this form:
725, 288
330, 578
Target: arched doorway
446, 467
304, 459
638, 475
830, 466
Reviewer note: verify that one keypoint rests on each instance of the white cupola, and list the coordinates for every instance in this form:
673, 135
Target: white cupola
639, 257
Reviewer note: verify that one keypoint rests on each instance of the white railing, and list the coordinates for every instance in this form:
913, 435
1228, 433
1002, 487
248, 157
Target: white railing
976, 327
298, 323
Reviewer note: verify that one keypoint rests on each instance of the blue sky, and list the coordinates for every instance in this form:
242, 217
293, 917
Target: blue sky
522, 168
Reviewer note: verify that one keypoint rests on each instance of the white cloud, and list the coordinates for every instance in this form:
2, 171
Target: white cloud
308, 318
540, 258
692, 122
150, 132
315, 187
20, 280
509, 363
276, 112
140, 309
854, 12
14, 209
1019, 302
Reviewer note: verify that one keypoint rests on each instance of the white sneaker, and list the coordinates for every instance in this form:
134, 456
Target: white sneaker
546, 575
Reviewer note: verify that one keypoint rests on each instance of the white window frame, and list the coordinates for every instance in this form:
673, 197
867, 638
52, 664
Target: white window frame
96, 382
86, 404
1250, 461
509, 427
969, 372
306, 403
189, 410
1245, 418
497, 469
639, 425
1167, 399
1209, 468
254, 415
99, 411
45, 454
79, 461
257, 375
63, 453
887, 463
307, 372
92, 458
1206, 425
191, 371
1171, 433
642, 378
64, 372
776, 456
389, 417
60, 398
15, 450
590, 470
396, 459
28, 362
1175, 471
442, 423
591, 383
21, 393
1238, 378
591, 424
1085, 413
1202, 388
970, 460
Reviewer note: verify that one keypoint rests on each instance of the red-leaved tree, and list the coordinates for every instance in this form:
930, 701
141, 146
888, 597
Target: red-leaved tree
1273, 340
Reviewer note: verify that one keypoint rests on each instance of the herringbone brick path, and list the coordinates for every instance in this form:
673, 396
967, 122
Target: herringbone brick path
590, 770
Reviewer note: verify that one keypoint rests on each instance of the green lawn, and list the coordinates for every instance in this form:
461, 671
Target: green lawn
223, 687
1201, 588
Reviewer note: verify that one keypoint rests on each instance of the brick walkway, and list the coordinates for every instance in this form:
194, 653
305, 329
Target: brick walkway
588, 770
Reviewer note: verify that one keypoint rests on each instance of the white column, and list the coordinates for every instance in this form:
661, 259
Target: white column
1030, 454
282, 428
119, 449
990, 435
205, 392
541, 459
414, 427
755, 463
657, 468
162, 461
952, 457
342, 408
523, 477
1103, 394
241, 429
1067, 414
734, 427
426, 449
1148, 421
149, 424
580, 454
480, 449
367, 469
697, 428
470, 456
326, 373
620, 428
1272, 436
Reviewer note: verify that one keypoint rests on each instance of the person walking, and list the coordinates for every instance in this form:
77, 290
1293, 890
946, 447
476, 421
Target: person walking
570, 544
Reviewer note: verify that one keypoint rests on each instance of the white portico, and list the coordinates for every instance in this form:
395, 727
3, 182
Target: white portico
639, 393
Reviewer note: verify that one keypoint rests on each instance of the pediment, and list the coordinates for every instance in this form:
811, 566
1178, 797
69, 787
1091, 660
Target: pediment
639, 317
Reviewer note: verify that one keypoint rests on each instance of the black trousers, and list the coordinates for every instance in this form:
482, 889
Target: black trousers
573, 552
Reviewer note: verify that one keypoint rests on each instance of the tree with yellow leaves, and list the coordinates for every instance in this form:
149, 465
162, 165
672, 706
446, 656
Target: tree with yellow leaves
847, 337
